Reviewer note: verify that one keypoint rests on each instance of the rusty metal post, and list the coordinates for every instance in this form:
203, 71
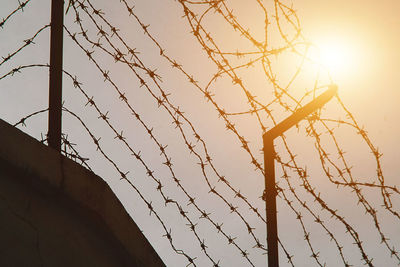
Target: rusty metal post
270, 192
270, 202
55, 82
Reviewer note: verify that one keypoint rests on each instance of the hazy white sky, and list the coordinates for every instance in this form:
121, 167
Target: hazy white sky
368, 31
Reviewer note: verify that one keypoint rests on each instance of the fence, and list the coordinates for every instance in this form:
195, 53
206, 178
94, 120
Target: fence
172, 115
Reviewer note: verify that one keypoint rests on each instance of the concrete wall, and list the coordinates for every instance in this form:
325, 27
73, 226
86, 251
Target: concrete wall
53, 212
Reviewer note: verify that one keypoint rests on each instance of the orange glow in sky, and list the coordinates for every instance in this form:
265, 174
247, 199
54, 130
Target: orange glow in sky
202, 87
339, 55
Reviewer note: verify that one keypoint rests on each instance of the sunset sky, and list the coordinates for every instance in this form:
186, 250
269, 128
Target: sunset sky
356, 40
371, 87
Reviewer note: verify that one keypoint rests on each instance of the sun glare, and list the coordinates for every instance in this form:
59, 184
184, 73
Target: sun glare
336, 55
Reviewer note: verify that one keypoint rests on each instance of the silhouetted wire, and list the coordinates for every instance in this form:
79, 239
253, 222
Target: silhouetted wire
124, 177
22, 121
196, 28
284, 18
237, 80
68, 148
26, 43
189, 145
21, 7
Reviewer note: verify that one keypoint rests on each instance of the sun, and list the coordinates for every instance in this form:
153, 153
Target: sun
336, 55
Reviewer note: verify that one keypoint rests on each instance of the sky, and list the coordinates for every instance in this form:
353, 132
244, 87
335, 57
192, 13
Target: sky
357, 39
371, 86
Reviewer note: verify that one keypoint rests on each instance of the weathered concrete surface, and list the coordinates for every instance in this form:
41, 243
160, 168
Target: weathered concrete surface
53, 212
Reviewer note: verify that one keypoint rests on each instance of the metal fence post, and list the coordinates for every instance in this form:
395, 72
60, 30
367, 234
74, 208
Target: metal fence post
270, 202
55, 82
270, 192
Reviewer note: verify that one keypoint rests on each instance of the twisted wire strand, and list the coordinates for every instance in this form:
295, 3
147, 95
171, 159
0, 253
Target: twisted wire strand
27, 42
244, 33
229, 64
124, 177
203, 214
21, 6
110, 53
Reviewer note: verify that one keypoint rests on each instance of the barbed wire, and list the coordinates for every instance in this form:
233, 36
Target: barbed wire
96, 30
22, 67
189, 145
23, 120
245, 33
67, 147
21, 6
168, 161
124, 177
27, 42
